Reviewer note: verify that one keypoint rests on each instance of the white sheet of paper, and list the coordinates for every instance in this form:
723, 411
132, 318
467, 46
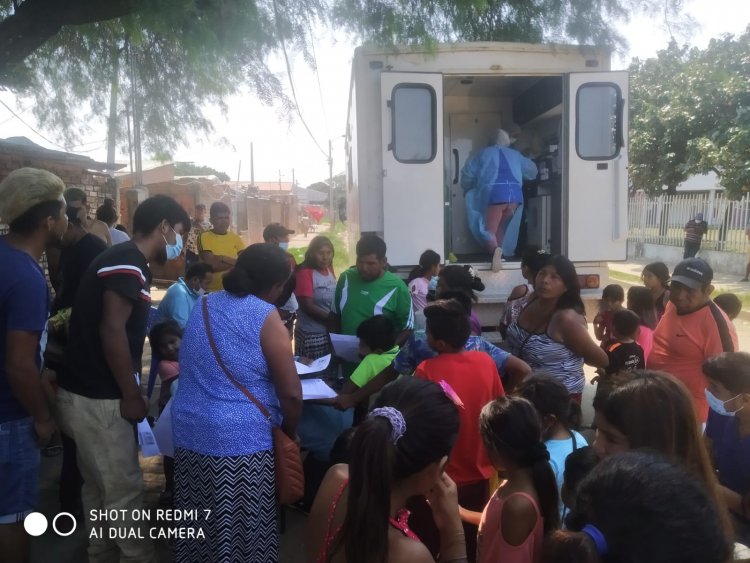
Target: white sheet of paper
345, 347
163, 430
146, 439
316, 389
317, 365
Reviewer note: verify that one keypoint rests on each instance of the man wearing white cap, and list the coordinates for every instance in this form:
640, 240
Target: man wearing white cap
32, 204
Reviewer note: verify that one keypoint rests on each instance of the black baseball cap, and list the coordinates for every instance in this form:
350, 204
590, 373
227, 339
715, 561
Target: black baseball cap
693, 273
276, 230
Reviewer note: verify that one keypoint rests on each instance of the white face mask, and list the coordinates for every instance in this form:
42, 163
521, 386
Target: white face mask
201, 292
284, 245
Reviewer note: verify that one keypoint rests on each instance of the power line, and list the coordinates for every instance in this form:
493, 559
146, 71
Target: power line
30, 127
291, 82
317, 77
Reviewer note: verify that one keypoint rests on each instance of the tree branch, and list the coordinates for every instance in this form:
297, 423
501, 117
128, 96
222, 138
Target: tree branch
36, 21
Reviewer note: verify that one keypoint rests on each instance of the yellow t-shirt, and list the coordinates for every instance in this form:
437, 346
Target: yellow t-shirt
229, 245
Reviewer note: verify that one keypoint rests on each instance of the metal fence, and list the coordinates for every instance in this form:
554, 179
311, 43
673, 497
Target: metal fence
662, 220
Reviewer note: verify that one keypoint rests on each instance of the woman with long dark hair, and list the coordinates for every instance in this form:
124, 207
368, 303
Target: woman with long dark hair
653, 410
224, 461
398, 452
550, 333
315, 287
641, 302
655, 277
421, 277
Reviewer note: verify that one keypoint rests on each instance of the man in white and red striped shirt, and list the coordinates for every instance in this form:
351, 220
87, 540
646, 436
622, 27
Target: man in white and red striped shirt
99, 399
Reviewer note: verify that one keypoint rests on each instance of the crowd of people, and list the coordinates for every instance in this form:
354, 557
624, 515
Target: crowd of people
439, 444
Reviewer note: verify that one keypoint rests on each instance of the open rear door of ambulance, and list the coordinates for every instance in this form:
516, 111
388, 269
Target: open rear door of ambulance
596, 184
413, 193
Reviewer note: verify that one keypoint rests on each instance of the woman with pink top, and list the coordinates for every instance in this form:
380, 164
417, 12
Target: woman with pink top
641, 302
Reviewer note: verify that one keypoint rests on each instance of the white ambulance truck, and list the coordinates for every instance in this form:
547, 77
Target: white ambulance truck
415, 117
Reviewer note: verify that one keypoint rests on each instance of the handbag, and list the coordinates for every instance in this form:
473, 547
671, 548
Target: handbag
290, 478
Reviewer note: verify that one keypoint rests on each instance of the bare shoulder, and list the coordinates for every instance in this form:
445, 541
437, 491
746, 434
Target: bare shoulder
518, 519
518, 292
407, 550
569, 317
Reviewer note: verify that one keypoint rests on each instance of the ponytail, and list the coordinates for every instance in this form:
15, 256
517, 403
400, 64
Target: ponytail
569, 547
428, 259
364, 533
546, 488
416, 272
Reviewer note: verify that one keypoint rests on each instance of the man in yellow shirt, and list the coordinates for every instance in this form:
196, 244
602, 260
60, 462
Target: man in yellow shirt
219, 247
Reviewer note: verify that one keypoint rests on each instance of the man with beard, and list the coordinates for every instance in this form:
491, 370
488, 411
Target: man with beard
99, 399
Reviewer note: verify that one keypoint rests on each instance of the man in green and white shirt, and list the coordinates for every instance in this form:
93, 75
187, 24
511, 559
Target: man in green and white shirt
368, 290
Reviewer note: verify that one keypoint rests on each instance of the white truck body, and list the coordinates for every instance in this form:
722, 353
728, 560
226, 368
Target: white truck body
416, 115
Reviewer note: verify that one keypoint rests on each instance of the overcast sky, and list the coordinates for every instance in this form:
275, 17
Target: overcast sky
281, 147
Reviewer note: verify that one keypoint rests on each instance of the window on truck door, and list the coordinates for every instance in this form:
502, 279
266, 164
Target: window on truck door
414, 118
598, 116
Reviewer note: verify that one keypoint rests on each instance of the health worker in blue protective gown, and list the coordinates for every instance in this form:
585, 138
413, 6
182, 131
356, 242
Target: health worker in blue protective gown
492, 181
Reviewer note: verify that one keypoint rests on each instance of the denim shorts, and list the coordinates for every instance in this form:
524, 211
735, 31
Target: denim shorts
19, 470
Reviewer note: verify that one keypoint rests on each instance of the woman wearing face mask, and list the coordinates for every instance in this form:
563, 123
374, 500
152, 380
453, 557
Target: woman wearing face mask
223, 443
728, 433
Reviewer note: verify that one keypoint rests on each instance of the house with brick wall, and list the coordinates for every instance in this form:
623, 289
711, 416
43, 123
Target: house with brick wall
75, 170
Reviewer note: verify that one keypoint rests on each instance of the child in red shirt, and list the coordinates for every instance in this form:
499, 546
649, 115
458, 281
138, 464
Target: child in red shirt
474, 378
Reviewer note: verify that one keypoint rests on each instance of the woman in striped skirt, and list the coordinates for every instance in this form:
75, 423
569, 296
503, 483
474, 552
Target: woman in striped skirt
224, 465
316, 284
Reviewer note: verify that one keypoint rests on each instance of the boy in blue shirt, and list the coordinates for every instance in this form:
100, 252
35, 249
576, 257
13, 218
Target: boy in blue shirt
728, 432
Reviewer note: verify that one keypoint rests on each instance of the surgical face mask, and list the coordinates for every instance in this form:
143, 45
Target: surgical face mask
719, 406
174, 250
432, 285
284, 246
201, 292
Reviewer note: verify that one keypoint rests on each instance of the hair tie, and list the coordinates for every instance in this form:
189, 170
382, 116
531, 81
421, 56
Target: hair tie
451, 393
538, 453
394, 416
597, 537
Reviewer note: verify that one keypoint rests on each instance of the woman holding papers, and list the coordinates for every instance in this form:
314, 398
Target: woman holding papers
234, 342
316, 284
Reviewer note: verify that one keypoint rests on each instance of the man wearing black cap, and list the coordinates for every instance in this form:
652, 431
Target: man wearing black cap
692, 330
278, 234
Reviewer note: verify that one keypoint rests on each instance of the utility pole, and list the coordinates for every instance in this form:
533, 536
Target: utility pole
252, 166
331, 191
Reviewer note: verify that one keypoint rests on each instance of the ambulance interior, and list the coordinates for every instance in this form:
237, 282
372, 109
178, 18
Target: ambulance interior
474, 108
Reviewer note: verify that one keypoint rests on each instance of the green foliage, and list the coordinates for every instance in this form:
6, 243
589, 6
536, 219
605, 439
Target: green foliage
68, 55
690, 114
190, 169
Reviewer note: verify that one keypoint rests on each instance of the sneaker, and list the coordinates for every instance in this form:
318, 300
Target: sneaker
497, 260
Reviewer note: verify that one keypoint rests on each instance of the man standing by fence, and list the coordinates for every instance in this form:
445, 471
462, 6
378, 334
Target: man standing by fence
694, 231
747, 266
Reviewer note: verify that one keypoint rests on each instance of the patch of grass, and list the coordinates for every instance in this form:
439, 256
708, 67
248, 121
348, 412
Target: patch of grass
624, 276
338, 238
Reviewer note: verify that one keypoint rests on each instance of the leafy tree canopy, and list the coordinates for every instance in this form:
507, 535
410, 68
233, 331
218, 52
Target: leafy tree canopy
690, 114
184, 54
190, 169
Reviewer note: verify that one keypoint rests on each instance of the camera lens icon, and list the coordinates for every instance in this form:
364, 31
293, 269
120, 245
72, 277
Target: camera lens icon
63, 524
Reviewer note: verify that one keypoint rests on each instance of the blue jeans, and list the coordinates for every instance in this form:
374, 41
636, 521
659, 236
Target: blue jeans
19, 470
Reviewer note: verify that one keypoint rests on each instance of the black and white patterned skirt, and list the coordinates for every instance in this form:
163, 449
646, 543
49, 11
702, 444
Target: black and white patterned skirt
234, 499
314, 346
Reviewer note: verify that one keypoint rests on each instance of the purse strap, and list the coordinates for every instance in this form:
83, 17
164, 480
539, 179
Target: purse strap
223, 366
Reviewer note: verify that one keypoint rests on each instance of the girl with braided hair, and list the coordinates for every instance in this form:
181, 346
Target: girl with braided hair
525, 507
